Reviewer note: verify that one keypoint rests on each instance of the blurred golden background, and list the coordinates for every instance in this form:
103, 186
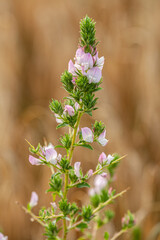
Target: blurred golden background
37, 39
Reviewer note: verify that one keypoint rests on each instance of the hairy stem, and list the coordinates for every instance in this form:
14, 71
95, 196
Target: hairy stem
66, 174
101, 205
116, 235
34, 216
99, 170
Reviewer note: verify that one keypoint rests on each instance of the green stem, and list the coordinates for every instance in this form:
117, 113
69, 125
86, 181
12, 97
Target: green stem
34, 216
66, 174
116, 235
99, 170
101, 205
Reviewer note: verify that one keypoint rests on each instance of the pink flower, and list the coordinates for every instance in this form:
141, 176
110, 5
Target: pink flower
83, 59
69, 109
71, 67
34, 161
98, 61
54, 205
91, 192
100, 183
94, 75
109, 158
59, 157
34, 200
90, 173
110, 190
104, 174
79, 53
76, 106
50, 154
77, 168
74, 80
101, 139
58, 120
102, 158
87, 134
2, 237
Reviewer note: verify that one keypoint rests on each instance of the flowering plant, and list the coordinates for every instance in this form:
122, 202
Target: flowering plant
81, 81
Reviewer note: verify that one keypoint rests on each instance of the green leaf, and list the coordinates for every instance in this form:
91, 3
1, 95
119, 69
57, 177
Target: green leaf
61, 125
59, 146
82, 185
106, 236
82, 225
86, 146
89, 113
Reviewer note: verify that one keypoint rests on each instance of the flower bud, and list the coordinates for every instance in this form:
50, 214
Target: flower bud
104, 175
102, 158
90, 173
69, 109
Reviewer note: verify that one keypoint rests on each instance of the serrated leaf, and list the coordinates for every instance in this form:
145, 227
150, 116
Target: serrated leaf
82, 185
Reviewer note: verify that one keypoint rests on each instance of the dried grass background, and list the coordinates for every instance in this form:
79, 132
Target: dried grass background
37, 39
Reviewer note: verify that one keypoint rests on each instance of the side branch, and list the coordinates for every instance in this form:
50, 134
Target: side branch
100, 207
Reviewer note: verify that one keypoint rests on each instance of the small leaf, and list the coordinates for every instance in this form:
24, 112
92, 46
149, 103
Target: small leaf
106, 236
61, 125
89, 113
83, 184
59, 146
86, 146
82, 225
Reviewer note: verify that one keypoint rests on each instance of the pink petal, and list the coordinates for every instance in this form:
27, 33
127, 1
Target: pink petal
100, 183
71, 67
58, 120
34, 161
50, 154
77, 168
90, 173
54, 205
91, 192
34, 199
109, 158
94, 75
102, 158
101, 139
76, 106
2, 237
69, 109
104, 174
86, 61
100, 63
79, 53
87, 134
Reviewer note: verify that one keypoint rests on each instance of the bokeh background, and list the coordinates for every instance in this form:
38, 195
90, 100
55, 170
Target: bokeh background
37, 39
